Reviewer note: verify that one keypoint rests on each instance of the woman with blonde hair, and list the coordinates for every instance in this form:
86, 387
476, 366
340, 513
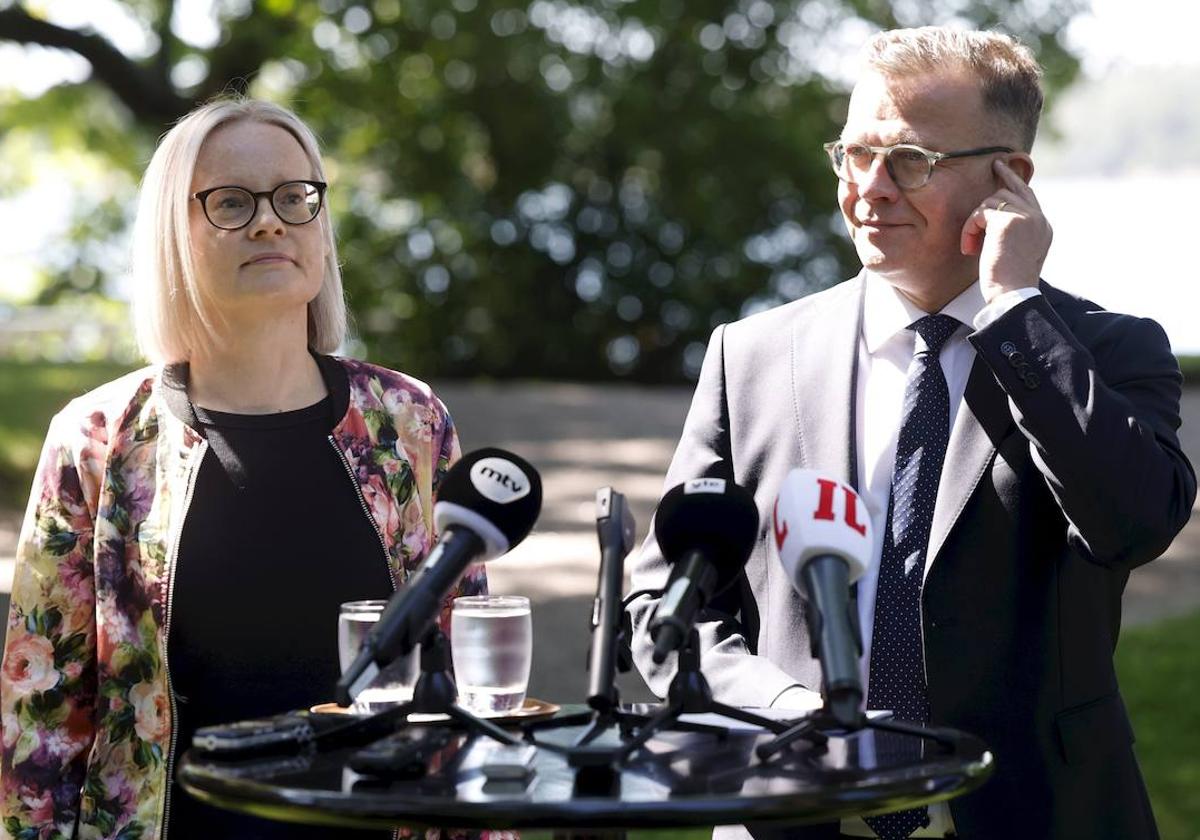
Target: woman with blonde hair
193, 526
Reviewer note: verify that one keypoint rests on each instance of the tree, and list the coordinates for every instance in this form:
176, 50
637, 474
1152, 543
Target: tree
559, 189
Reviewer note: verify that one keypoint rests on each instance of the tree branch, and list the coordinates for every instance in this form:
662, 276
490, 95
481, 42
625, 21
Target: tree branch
150, 97
249, 44
166, 41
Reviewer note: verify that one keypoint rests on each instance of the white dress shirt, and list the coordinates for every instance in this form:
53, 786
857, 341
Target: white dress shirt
885, 349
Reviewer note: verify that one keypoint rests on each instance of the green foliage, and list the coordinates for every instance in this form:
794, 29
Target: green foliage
1190, 367
547, 188
1160, 681
30, 394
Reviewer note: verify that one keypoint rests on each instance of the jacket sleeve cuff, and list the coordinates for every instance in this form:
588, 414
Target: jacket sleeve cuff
1002, 305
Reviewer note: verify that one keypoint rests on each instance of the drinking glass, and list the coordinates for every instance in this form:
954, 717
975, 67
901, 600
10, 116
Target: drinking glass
394, 684
491, 640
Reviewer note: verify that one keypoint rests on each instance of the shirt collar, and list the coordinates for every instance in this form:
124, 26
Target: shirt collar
886, 311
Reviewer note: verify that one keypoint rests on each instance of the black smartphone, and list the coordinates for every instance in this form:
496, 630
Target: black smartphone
402, 755
291, 730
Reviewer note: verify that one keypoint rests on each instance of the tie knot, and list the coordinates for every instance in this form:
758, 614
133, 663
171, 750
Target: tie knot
934, 330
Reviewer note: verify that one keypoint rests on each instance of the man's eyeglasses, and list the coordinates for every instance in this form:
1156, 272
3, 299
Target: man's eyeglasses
910, 166
232, 208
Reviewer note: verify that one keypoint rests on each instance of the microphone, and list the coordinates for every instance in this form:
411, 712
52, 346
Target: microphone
615, 527
706, 528
487, 503
824, 537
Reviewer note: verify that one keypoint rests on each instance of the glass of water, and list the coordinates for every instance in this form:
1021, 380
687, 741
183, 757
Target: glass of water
491, 639
394, 684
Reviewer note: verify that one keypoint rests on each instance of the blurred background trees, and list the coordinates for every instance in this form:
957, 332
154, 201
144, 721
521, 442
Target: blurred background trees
553, 189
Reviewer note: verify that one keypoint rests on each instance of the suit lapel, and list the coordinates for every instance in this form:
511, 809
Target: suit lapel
824, 366
983, 419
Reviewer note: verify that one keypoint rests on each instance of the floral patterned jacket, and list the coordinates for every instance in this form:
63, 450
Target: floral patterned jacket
86, 709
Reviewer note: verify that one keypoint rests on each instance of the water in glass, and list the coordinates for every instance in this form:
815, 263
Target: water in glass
491, 638
395, 683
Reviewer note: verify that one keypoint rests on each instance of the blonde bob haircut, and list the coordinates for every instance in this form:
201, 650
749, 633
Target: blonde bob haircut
173, 316
1009, 74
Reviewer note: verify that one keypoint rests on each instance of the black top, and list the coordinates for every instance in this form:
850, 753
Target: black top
275, 538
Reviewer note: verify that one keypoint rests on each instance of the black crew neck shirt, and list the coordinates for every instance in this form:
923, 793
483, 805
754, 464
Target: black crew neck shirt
274, 540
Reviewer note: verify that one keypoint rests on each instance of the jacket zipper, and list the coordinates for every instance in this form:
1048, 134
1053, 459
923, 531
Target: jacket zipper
362, 501
174, 558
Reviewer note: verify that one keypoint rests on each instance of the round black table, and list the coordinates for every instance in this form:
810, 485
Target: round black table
681, 779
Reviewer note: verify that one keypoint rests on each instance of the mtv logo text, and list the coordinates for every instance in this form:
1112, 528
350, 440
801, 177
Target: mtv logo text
499, 480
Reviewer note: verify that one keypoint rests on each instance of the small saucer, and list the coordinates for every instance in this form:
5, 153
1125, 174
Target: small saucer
531, 709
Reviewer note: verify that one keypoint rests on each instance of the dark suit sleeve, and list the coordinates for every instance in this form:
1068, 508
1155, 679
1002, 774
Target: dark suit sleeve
1099, 402
737, 677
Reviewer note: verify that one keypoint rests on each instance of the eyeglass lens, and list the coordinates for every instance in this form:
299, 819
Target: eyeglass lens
908, 167
294, 202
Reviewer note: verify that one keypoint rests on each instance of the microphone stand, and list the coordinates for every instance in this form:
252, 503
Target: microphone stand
690, 693
434, 694
811, 728
606, 712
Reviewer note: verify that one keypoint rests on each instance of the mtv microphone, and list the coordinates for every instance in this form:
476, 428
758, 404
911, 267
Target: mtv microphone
824, 539
706, 528
487, 503
615, 528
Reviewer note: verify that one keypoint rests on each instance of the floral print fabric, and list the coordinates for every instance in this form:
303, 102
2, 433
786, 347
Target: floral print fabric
85, 704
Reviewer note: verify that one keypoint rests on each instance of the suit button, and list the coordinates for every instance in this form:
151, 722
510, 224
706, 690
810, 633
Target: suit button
1017, 359
1008, 348
1031, 381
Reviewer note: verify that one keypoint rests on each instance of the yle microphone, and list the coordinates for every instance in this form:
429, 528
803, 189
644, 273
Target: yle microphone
487, 503
823, 534
615, 528
706, 529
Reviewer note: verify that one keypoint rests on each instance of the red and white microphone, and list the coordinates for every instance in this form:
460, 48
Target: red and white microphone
823, 534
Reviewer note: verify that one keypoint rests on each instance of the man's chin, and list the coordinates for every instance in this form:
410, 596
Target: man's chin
877, 261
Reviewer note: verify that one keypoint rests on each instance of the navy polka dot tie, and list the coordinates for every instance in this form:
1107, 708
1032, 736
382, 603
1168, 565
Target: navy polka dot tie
897, 661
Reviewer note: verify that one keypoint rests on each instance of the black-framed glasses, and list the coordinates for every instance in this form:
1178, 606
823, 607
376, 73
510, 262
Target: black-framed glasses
910, 166
232, 208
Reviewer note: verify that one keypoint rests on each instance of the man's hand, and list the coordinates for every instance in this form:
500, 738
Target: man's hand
1010, 235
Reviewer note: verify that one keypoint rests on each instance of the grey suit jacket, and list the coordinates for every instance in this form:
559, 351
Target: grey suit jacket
1063, 473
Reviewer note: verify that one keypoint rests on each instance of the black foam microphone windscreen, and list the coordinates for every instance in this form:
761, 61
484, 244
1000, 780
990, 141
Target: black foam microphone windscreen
493, 486
712, 513
706, 529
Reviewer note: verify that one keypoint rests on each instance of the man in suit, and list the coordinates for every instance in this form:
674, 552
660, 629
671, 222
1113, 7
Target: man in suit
1058, 469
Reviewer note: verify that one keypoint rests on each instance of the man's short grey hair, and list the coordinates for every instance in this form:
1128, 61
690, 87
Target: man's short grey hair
1006, 68
173, 316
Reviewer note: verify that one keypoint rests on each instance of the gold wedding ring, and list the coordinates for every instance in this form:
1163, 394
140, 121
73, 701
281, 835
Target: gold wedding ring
1001, 205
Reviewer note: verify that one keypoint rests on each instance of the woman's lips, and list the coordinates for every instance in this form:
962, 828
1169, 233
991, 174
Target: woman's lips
262, 259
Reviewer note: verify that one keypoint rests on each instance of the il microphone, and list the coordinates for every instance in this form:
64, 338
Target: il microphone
487, 503
706, 529
824, 539
615, 528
